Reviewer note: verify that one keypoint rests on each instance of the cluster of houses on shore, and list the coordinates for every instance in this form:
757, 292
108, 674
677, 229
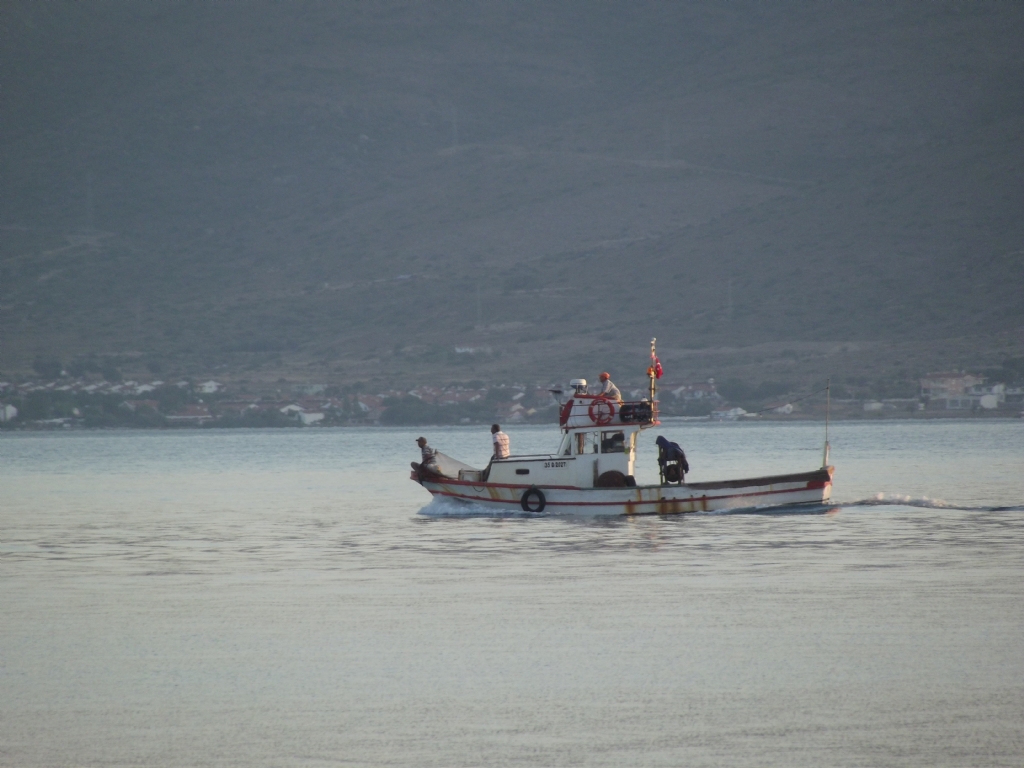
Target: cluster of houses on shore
132, 391
212, 401
958, 391
940, 393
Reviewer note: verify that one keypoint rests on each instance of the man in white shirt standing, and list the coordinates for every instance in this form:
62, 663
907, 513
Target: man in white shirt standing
500, 440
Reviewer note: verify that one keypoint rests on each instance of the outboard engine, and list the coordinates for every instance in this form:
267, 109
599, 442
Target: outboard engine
580, 385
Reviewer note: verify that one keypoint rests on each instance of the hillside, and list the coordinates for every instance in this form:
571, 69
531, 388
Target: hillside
332, 192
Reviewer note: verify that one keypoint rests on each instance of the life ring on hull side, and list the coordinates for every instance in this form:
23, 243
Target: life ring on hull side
533, 490
601, 411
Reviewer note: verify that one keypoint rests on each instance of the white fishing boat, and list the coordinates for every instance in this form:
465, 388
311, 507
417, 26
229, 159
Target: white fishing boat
592, 472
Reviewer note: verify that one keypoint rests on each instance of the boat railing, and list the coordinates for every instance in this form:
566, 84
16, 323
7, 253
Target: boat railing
586, 411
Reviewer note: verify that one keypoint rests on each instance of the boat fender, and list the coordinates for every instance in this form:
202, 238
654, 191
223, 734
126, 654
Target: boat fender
563, 416
601, 411
533, 490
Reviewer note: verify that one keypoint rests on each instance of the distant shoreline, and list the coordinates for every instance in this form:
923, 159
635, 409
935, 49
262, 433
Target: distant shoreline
668, 420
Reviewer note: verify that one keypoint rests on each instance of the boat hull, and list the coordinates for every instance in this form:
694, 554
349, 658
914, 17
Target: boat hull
775, 491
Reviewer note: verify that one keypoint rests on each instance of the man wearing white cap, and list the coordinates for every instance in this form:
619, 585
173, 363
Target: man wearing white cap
428, 456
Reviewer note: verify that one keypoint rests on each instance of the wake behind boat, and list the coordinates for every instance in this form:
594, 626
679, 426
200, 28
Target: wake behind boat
592, 472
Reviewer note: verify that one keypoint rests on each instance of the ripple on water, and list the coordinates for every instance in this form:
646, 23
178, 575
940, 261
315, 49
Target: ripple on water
267, 599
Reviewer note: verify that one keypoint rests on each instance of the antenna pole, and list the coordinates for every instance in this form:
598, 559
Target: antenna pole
828, 406
650, 371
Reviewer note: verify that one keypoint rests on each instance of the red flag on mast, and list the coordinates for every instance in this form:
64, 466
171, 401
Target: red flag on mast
655, 363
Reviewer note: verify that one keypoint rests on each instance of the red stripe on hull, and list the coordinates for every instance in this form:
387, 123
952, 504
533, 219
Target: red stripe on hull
695, 500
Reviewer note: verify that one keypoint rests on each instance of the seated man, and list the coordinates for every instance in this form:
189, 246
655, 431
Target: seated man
608, 389
428, 457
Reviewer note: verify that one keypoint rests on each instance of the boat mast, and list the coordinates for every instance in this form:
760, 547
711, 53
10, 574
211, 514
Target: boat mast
650, 371
828, 404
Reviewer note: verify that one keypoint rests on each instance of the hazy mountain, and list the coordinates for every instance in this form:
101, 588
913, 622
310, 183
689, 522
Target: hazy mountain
352, 190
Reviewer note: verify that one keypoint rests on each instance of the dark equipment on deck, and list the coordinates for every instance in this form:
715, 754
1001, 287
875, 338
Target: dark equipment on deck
672, 464
632, 413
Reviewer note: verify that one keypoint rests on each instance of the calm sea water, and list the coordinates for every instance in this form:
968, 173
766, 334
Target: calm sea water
290, 598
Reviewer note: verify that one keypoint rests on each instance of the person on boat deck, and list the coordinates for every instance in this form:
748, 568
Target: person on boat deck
608, 389
500, 440
428, 455
669, 451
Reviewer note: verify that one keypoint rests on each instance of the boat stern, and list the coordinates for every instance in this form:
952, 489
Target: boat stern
826, 490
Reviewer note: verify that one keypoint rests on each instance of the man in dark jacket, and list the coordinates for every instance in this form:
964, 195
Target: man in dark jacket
669, 452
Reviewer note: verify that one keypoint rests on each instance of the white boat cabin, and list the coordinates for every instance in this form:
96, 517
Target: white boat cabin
598, 447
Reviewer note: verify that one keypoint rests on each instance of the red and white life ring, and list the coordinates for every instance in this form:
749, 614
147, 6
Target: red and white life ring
601, 411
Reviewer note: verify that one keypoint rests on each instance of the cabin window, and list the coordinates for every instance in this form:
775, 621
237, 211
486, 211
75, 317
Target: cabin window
587, 442
613, 442
566, 447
